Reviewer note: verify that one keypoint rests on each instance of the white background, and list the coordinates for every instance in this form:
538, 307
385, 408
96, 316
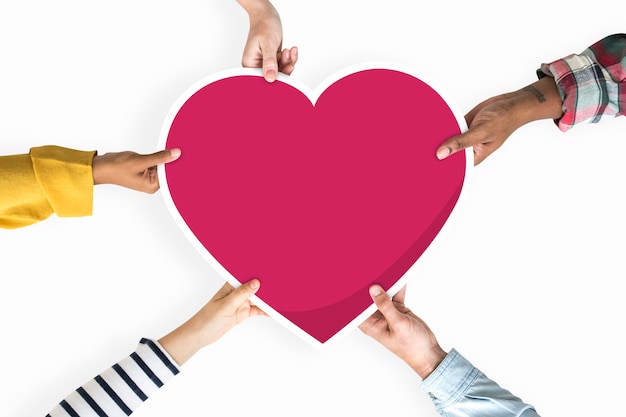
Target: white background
527, 284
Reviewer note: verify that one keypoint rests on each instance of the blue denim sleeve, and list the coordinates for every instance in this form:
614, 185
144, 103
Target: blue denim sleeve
458, 389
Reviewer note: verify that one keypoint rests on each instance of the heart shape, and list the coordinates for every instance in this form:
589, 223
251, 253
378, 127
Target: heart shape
319, 195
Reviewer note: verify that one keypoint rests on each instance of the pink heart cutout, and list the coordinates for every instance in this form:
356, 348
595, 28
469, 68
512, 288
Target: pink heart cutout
319, 195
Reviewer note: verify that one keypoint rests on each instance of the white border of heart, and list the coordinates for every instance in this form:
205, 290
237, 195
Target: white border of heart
313, 96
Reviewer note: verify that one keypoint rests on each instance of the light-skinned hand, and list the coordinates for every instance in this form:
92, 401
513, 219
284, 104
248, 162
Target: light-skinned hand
131, 170
396, 327
226, 309
264, 44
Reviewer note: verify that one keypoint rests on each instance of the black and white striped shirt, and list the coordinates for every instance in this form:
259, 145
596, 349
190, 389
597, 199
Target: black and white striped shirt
122, 388
456, 387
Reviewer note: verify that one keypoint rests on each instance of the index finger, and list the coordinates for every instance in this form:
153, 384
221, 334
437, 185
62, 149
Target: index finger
452, 146
400, 295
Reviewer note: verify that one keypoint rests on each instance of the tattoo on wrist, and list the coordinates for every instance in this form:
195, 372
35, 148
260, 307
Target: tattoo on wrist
538, 94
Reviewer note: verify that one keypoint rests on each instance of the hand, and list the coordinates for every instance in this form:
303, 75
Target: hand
494, 120
264, 44
402, 332
227, 308
131, 170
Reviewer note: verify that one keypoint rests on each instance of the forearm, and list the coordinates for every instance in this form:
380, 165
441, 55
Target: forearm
254, 6
200, 330
183, 342
119, 390
536, 101
458, 389
540, 100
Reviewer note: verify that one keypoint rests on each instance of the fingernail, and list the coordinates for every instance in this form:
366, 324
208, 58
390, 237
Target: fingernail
255, 284
442, 153
375, 290
175, 153
270, 75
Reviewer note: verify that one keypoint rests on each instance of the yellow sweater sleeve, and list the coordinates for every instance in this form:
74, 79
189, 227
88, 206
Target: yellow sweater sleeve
50, 179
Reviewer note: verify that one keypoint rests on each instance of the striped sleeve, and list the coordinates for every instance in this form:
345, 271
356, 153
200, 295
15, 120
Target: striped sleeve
592, 84
122, 388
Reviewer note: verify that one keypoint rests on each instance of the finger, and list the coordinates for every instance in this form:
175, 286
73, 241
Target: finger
482, 151
475, 137
284, 61
452, 146
384, 304
270, 63
294, 52
242, 293
467, 139
399, 297
287, 60
223, 291
149, 180
161, 157
250, 61
256, 311
469, 117
370, 324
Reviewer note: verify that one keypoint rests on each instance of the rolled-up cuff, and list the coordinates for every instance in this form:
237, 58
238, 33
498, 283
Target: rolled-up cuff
591, 83
65, 177
450, 379
458, 389
577, 108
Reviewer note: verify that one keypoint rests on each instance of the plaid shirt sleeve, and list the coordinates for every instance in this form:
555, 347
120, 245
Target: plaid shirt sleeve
592, 84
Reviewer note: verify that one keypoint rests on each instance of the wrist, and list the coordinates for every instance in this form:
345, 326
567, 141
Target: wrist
100, 169
539, 100
427, 362
255, 7
183, 342
95, 170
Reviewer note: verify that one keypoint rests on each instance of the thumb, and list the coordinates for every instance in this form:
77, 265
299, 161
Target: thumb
161, 157
270, 63
384, 304
242, 293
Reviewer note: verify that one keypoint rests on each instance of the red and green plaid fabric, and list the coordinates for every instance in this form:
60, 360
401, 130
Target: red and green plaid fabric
592, 83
